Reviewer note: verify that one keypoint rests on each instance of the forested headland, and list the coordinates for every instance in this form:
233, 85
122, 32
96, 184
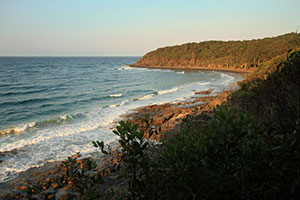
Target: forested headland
246, 148
244, 55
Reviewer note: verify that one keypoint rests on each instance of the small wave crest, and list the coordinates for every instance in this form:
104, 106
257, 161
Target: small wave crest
145, 97
224, 75
12, 93
159, 70
226, 83
42, 138
115, 95
156, 70
180, 72
125, 67
205, 83
119, 104
41, 124
18, 129
167, 91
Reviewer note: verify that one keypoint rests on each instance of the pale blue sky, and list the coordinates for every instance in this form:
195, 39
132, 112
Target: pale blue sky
134, 27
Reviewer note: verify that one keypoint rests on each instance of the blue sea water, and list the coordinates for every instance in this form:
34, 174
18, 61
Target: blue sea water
53, 107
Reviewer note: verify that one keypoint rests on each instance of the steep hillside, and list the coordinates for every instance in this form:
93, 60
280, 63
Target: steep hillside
229, 55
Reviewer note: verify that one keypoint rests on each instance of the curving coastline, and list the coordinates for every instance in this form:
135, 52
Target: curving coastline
193, 67
168, 116
233, 56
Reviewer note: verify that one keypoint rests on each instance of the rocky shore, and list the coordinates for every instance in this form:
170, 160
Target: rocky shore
169, 116
166, 118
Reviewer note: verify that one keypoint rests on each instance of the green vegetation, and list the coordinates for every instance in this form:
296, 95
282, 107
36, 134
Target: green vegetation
231, 54
249, 149
274, 100
78, 174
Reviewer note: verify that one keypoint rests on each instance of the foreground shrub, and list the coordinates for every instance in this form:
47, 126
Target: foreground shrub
230, 159
248, 150
137, 163
274, 101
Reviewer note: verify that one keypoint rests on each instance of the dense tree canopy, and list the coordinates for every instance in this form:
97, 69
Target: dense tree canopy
229, 54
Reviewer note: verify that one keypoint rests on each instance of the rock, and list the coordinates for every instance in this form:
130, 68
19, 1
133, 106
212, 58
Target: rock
26, 182
50, 190
48, 180
206, 92
65, 197
77, 155
68, 187
55, 185
12, 194
21, 187
62, 194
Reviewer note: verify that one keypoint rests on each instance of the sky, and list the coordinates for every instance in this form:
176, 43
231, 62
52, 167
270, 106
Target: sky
135, 27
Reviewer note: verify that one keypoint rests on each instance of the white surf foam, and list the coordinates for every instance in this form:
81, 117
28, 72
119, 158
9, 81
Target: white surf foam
204, 83
223, 75
168, 91
18, 129
116, 95
227, 82
125, 67
58, 142
148, 96
40, 124
159, 70
113, 106
42, 138
123, 102
119, 104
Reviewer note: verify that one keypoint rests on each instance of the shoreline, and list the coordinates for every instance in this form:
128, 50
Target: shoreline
191, 67
168, 116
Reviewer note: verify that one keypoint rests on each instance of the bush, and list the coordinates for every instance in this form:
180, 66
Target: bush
230, 159
247, 150
136, 159
274, 101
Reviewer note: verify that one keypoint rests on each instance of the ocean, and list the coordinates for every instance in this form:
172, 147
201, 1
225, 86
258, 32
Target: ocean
54, 107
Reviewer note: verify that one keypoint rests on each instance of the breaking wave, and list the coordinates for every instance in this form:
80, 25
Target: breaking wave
148, 96
226, 83
125, 67
119, 104
167, 91
41, 124
205, 83
116, 95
